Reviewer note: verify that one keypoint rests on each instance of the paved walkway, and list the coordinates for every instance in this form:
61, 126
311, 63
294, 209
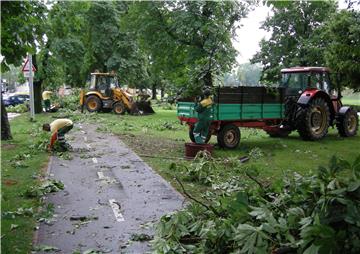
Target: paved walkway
110, 194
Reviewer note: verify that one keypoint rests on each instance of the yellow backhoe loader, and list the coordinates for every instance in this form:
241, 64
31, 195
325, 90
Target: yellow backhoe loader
104, 94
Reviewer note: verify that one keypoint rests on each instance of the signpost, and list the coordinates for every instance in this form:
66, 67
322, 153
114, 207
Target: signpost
28, 70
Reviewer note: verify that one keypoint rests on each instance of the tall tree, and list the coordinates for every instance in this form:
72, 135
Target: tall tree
87, 36
189, 41
249, 74
342, 54
21, 24
294, 26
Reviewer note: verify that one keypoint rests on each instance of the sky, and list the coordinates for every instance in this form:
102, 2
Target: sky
250, 34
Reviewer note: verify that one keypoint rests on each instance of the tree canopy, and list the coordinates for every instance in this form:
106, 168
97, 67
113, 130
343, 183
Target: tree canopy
189, 41
294, 41
311, 33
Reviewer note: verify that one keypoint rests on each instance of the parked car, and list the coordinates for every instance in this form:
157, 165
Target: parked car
16, 99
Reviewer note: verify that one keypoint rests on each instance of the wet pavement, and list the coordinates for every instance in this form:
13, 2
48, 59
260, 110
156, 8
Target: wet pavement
110, 194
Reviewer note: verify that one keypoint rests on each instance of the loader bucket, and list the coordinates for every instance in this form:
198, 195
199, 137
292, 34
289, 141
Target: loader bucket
144, 107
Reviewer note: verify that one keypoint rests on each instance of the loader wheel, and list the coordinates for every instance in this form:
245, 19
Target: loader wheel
348, 124
229, 136
119, 108
93, 104
192, 138
313, 121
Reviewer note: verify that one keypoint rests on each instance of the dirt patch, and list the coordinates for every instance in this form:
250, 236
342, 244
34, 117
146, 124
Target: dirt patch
147, 145
8, 146
9, 182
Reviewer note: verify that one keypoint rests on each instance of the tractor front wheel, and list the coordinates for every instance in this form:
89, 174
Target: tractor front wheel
119, 108
229, 136
313, 121
348, 124
93, 103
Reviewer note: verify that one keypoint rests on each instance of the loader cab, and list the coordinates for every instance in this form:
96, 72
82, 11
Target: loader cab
103, 83
298, 79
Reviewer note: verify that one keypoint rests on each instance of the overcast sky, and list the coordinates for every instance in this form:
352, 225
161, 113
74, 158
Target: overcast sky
250, 34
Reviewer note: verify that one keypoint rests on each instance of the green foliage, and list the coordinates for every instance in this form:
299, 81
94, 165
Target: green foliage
88, 36
21, 26
188, 41
70, 102
307, 214
46, 187
248, 74
20, 108
296, 39
343, 51
201, 169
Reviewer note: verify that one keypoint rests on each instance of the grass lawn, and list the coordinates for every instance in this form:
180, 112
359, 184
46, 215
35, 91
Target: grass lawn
350, 98
21, 165
159, 138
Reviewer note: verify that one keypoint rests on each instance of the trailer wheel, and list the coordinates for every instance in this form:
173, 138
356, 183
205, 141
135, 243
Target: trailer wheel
93, 103
229, 136
313, 121
192, 138
119, 108
348, 124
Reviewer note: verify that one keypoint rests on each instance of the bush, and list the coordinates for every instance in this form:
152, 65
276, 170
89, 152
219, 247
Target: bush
20, 108
72, 101
309, 214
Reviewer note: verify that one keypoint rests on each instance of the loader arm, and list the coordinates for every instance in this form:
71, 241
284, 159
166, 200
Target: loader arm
120, 95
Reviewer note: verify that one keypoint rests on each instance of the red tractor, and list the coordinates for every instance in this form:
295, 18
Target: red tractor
305, 101
312, 104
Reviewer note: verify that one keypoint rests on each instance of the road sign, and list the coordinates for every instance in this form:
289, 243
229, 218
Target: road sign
26, 67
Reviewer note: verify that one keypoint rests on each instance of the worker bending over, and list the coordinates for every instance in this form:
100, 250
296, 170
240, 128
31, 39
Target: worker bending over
46, 98
204, 109
58, 129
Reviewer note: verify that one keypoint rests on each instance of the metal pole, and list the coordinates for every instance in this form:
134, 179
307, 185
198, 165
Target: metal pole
31, 87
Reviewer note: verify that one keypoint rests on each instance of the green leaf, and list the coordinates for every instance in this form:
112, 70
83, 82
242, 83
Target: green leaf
313, 249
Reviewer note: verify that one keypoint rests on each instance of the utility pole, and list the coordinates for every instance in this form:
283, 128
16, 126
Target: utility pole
28, 71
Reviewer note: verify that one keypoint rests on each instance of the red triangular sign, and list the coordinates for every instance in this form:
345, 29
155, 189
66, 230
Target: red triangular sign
26, 66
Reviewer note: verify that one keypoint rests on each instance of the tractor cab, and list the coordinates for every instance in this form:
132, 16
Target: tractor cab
103, 83
298, 79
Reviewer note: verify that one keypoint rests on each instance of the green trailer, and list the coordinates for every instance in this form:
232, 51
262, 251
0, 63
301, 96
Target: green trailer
255, 107
301, 103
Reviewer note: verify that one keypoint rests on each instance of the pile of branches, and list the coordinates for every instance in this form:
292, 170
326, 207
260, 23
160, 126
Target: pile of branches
307, 214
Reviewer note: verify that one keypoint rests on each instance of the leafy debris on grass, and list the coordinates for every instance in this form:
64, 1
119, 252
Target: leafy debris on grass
21, 211
47, 186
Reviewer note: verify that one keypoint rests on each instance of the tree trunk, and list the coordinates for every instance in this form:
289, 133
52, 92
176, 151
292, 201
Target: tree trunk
162, 93
153, 91
5, 126
37, 97
208, 79
37, 90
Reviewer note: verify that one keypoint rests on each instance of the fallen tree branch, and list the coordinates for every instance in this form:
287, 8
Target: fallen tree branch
197, 201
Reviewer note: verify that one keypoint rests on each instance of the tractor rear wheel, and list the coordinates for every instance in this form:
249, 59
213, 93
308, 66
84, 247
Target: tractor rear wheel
93, 103
192, 138
229, 136
119, 108
348, 124
313, 121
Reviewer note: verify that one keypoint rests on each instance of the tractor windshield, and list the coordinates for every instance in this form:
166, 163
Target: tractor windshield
295, 80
